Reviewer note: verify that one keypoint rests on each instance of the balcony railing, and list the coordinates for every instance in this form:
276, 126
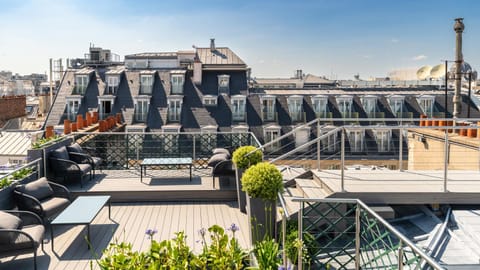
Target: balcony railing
347, 234
127, 150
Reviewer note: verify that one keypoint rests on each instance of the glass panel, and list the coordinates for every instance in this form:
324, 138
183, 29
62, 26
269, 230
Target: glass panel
356, 140
271, 135
223, 84
238, 109
81, 83
105, 108
177, 84
320, 107
72, 109
269, 109
112, 85
174, 110
295, 109
141, 110
146, 84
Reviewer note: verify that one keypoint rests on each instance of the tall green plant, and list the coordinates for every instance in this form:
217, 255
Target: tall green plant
246, 156
267, 253
262, 180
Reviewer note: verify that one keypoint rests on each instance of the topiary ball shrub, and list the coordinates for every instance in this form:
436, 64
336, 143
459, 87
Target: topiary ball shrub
242, 161
262, 180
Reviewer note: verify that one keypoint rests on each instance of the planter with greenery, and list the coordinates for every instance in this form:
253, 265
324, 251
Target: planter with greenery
262, 182
243, 158
7, 184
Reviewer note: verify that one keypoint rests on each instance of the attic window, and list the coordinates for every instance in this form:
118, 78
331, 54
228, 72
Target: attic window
383, 138
210, 100
146, 84
426, 102
369, 105
224, 84
141, 109
396, 104
320, 106
268, 108
174, 108
81, 83
270, 134
112, 84
345, 105
356, 140
177, 81
295, 107
73, 105
238, 108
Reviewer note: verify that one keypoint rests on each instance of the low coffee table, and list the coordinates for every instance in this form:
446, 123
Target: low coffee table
82, 211
164, 162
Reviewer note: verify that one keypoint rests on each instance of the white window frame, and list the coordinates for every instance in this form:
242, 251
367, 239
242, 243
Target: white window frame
295, 104
81, 84
141, 111
356, 139
146, 84
174, 108
72, 112
396, 104
345, 105
113, 81
320, 105
101, 109
177, 81
210, 100
329, 143
427, 104
268, 109
271, 134
369, 104
223, 84
239, 103
383, 138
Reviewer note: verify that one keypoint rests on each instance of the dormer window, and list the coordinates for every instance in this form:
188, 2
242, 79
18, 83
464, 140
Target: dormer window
426, 103
396, 104
345, 105
329, 143
295, 107
271, 133
146, 84
356, 140
383, 138
174, 108
141, 108
238, 108
320, 106
81, 83
112, 85
177, 80
73, 105
369, 104
210, 100
105, 105
268, 108
224, 84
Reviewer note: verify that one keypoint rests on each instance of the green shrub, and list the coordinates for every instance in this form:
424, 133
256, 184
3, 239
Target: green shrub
242, 161
45, 141
5, 182
262, 180
267, 253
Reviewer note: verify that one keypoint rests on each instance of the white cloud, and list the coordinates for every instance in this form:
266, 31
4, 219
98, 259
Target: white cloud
394, 40
419, 57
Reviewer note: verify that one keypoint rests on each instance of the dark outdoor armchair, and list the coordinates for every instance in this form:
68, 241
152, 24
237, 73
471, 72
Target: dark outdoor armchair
79, 155
44, 198
20, 232
222, 166
63, 166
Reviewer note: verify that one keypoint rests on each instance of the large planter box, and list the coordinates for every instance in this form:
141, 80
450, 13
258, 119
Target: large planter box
6, 198
241, 195
262, 215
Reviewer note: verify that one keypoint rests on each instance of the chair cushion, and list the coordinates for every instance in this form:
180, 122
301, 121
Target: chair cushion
8, 222
75, 148
221, 151
54, 205
39, 189
96, 161
217, 158
35, 231
85, 168
60, 153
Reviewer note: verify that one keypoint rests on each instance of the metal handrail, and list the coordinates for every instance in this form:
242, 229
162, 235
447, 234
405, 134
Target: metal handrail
400, 236
29, 164
285, 216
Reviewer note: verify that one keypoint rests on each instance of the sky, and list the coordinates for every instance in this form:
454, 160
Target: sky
335, 38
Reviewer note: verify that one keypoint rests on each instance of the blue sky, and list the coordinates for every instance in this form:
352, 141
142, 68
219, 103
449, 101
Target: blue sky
337, 38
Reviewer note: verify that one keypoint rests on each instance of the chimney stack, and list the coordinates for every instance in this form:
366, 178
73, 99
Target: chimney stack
212, 44
457, 99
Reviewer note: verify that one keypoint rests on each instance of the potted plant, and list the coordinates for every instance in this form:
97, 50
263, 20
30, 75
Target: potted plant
243, 158
262, 182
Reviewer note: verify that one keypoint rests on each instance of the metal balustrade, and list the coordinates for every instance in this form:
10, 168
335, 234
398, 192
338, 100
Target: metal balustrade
349, 235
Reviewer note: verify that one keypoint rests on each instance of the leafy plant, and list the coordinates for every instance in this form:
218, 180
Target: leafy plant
44, 141
22, 173
246, 156
267, 253
5, 182
293, 244
262, 180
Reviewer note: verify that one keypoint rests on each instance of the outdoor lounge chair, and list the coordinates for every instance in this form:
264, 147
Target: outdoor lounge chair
63, 166
79, 155
20, 232
221, 163
44, 198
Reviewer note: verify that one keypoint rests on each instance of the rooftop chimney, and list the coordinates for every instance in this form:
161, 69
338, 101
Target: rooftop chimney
457, 99
212, 44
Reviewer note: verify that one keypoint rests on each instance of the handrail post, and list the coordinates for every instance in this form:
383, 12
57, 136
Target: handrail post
38, 169
400, 150
400, 255
318, 146
300, 236
445, 164
342, 157
357, 237
284, 239
194, 153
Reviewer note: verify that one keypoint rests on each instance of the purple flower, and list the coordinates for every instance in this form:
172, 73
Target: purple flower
151, 232
234, 227
202, 232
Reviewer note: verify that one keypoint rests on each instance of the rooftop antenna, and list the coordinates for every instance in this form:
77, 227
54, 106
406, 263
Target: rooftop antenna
457, 99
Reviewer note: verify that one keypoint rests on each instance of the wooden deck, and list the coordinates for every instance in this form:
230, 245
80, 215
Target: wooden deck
129, 222
404, 187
